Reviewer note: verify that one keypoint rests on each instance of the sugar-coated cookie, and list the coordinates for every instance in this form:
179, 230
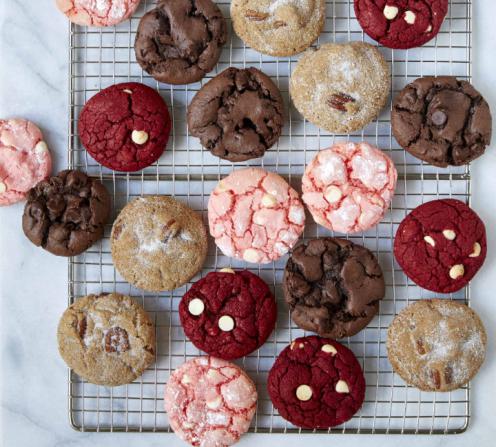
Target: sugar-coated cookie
24, 159
210, 402
254, 215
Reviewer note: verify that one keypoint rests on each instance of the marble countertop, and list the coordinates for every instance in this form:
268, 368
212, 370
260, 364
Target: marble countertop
33, 286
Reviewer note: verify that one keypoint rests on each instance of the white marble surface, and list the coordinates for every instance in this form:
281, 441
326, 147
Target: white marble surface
33, 391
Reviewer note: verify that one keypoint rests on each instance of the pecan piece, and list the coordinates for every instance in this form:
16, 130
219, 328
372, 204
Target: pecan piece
420, 346
81, 325
279, 23
116, 340
436, 378
448, 374
338, 101
255, 16
170, 230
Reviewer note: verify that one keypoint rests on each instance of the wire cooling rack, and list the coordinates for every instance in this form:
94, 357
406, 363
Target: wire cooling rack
102, 57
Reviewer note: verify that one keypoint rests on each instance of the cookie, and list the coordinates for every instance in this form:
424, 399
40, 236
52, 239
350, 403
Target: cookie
158, 243
66, 214
125, 127
97, 13
278, 27
341, 87
210, 402
401, 24
441, 245
349, 187
228, 314
316, 383
24, 159
237, 115
180, 41
442, 120
436, 345
107, 339
255, 216
333, 287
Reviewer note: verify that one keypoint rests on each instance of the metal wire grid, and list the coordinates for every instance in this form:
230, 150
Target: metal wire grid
102, 57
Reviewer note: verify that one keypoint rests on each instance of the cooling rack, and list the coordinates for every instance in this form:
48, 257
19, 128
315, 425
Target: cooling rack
102, 57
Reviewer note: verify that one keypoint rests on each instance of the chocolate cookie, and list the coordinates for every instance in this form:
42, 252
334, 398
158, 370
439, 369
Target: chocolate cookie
441, 245
333, 287
228, 314
442, 120
436, 345
237, 115
107, 339
180, 41
66, 214
316, 383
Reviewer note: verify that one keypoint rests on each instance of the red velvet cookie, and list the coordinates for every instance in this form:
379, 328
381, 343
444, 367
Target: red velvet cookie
316, 383
441, 245
401, 24
125, 127
228, 314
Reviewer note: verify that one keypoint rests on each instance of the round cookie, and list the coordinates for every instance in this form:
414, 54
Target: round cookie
210, 402
255, 216
97, 13
158, 243
107, 339
401, 24
66, 214
436, 345
349, 187
125, 127
441, 245
333, 287
180, 41
24, 159
237, 115
278, 27
316, 383
442, 120
228, 314
341, 87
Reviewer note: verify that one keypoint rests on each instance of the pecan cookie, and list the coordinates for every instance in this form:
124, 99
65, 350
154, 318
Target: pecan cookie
107, 339
158, 243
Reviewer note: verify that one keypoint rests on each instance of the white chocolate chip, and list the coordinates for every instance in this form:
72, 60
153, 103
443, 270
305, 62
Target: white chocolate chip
3, 187
269, 201
476, 251
259, 219
410, 17
302, 345
41, 148
292, 345
126, 90
430, 240
187, 424
449, 234
226, 323
429, 29
214, 403
139, 136
186, 379
304, 393
390, 12
456, 271
196, 306
251, 255
342, 387
329, 349
227, 270
333, 194
221, 187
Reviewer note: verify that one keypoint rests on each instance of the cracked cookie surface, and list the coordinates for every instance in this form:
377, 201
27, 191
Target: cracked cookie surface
316, 383
255, 216
66, 214
441, 245
442, 120
210, 402
125, 127
107, 339
237, 115
158, 243
180, 41
436, 345
228, 314
333, 287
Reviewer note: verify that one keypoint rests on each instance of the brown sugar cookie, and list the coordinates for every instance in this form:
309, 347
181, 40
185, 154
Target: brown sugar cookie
158, 243
107, 339
436, 345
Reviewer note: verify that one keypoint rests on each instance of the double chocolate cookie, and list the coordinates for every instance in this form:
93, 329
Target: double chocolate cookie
180, 41
237, 115
333, 287
66, 214
442, 120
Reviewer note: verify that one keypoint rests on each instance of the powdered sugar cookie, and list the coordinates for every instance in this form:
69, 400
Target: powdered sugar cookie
255, 215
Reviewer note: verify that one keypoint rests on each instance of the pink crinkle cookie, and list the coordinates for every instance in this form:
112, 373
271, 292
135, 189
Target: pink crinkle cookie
349, 186
210, 402
255, 215
24, 159
98, 12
